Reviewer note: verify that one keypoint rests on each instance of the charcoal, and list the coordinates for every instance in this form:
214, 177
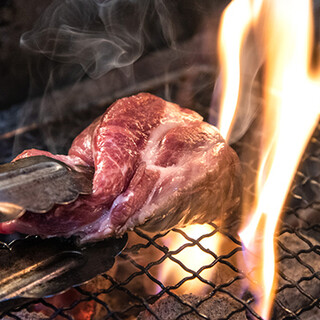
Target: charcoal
25, 315
299, 277
217, 307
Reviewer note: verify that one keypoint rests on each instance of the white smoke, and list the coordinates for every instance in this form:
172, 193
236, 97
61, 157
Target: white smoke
250, 91
85, 38
99, 35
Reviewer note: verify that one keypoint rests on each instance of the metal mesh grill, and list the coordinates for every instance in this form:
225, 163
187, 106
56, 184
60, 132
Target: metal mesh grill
136, 283
299, 239
136, 286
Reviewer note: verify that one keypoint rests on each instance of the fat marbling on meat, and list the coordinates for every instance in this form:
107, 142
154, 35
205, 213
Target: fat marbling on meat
156, 165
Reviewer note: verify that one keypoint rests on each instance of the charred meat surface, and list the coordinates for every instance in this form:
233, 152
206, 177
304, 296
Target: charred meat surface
156, 165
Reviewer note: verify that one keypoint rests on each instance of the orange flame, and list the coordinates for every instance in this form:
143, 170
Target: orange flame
237, 19
291, 97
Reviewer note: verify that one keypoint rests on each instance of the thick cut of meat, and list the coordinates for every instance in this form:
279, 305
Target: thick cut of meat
156, 165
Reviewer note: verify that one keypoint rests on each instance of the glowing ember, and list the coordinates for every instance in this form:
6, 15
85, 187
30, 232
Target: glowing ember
291, 96
192, 257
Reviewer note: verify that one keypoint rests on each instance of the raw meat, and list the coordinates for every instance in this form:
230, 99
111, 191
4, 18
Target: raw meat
156, 165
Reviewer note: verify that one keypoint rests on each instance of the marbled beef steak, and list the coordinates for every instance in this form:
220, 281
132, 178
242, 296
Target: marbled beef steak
156, 165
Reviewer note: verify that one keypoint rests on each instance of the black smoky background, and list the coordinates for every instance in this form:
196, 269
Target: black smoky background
64, 62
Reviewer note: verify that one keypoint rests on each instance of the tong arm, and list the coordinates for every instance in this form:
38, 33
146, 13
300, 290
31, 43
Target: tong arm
37, 183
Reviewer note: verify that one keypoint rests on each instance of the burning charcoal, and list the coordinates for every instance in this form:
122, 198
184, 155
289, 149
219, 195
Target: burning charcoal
125, 285
25, 315
80, 309
299, 280
217, 307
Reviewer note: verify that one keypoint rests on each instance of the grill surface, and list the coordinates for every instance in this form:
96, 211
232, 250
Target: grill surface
134, 284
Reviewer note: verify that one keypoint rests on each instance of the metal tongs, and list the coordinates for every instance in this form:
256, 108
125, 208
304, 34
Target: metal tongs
37, 183
34, 268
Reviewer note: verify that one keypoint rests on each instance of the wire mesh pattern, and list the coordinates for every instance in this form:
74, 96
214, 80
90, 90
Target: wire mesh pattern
152, 279
182, 274
298, 242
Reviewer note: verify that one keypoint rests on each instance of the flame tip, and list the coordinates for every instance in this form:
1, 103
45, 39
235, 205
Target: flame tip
289, 83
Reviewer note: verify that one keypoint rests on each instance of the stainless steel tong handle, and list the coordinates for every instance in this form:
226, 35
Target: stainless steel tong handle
34, 268
37, 183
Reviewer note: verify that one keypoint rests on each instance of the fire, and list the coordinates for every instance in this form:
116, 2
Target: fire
192, 257
291, 113
236, 22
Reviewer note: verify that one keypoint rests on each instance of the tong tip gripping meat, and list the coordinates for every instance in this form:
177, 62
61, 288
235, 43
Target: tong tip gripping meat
37, 183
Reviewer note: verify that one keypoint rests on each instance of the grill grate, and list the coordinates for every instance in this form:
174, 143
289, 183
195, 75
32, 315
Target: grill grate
125, 296
299, 241
134, 286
